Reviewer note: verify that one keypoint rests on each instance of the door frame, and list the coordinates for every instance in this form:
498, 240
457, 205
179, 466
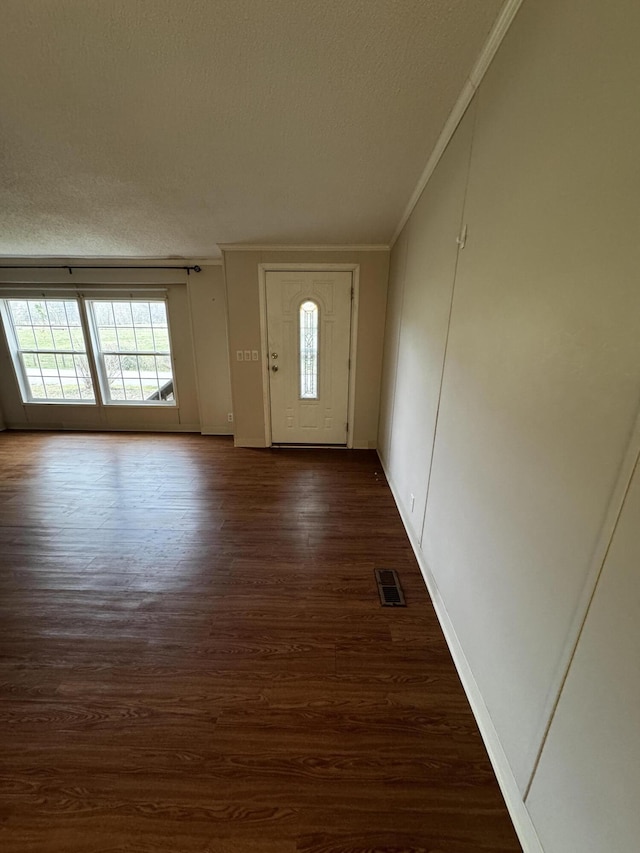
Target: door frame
263, 269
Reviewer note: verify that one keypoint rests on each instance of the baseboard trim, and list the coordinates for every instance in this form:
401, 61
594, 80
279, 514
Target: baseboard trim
64, 427
212, 429
506, 780
249, 442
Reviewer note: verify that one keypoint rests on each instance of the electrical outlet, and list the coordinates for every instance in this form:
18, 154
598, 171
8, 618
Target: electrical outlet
230, 417
239, 355
413, 502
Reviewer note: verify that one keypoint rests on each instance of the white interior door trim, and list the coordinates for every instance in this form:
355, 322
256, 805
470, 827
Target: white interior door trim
263, 269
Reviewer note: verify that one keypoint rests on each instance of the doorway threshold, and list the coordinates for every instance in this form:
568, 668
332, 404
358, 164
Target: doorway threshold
283, 446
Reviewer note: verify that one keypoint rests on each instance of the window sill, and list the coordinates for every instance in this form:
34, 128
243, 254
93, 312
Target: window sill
74, 403
59, 403
134, 405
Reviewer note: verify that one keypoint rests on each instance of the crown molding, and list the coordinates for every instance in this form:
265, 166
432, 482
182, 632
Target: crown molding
274, 247
110, 260
498, 32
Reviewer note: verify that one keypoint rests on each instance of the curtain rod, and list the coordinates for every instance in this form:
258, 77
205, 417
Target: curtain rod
73, 267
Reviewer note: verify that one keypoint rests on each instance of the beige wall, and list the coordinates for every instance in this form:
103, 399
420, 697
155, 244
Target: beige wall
535, 412
197, 317
207, 302
241, 272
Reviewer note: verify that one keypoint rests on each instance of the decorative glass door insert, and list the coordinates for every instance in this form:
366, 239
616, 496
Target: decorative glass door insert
309, 350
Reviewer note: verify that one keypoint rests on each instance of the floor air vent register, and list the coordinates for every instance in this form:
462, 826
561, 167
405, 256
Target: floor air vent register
389, 588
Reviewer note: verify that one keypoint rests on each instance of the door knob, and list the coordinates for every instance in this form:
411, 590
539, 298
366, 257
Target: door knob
274, 367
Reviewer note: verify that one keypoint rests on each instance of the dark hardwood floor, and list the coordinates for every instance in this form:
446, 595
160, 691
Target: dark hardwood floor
193, 658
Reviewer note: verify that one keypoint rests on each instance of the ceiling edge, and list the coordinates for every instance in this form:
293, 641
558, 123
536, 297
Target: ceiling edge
299, 247
106, 261
498, 32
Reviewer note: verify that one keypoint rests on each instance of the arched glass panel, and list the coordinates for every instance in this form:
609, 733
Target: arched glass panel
308, 350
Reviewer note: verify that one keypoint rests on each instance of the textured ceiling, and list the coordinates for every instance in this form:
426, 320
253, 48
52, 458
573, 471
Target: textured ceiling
165, 127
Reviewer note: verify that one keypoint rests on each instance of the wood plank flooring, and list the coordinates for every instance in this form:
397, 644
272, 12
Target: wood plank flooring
194, 659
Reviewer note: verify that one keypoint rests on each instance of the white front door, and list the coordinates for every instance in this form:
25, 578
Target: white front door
308, 338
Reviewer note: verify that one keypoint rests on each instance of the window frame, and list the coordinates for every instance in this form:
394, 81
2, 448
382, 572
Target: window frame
98, 354
18, 353
92, 351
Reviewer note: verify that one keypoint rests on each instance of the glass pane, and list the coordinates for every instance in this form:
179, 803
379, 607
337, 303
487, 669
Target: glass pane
122, 313
145, 378
48, 362
161, 337
53, 389
164, 365
26, 337
81, 364
103, 313
126, 339
47, 324
108, 338
52, 347
44, 337
132, 377
73, 312
134, 341
64, 378
57, 316
132, 390
309, 350
141, 314
77, 339
158, 311
38, 312
147, 364
139, 327
20, 312
114, 377
61, 338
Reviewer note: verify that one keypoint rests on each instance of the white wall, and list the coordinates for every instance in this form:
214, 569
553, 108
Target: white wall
541, 381
427, 286
585, 792
197, 317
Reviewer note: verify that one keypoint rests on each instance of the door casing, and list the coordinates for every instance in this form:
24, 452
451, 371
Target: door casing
263, 269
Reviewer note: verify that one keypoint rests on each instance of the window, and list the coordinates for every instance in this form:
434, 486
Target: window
59, 345
133, 352
309, 350
51, 350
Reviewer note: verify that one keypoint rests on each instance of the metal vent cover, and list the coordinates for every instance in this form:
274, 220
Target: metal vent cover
389, 588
